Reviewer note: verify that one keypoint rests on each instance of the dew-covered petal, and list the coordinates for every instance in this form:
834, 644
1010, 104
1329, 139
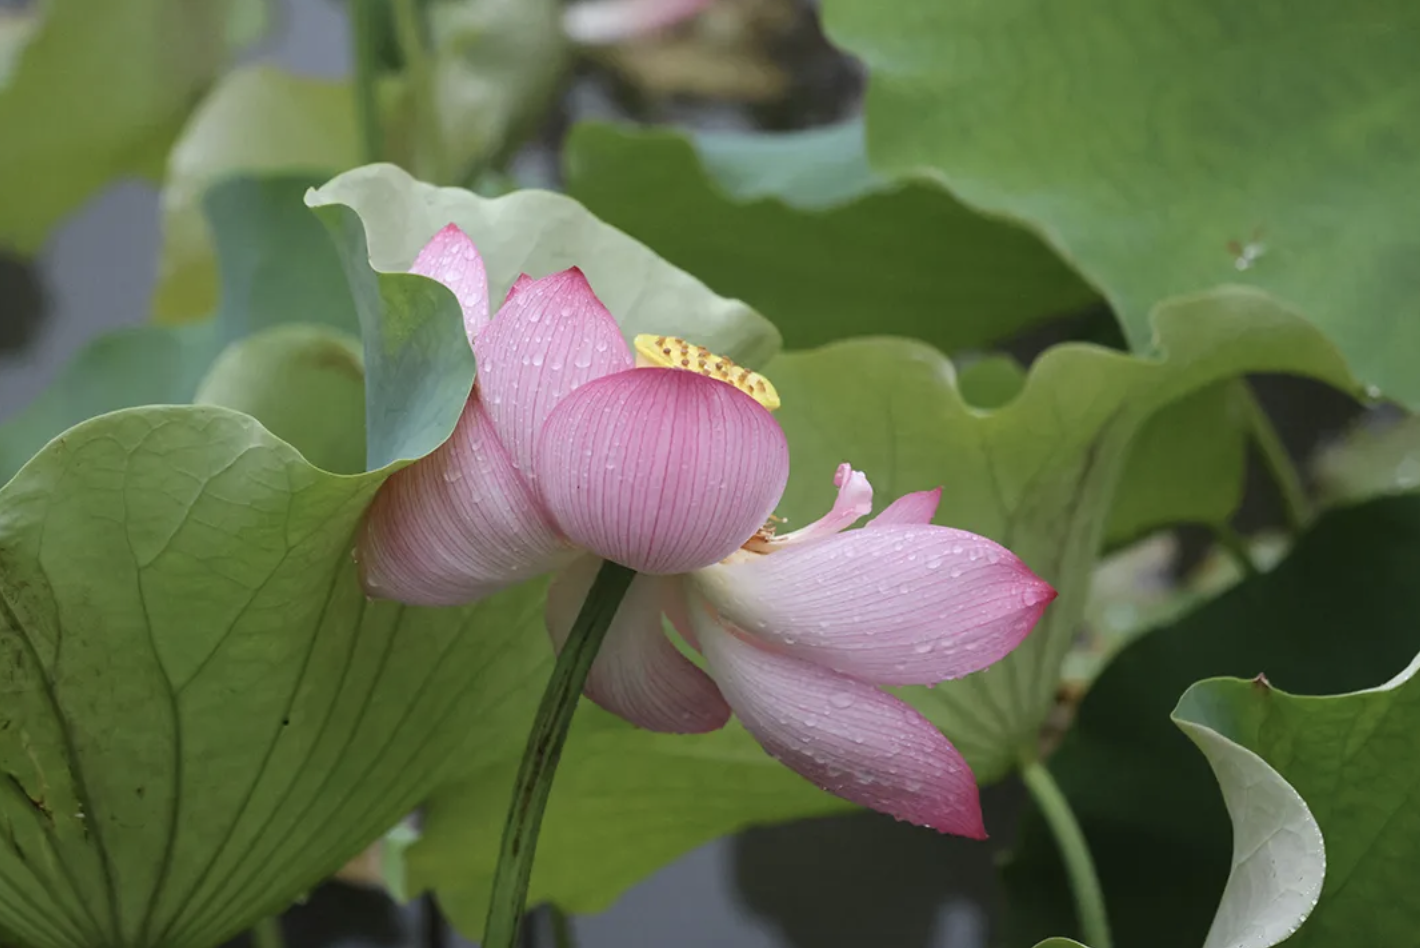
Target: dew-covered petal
599, 22
452, 259
638, 674
844, 735
521, 283
661, 470
457, 525
895, 605
918, 507
551, 336
854, 501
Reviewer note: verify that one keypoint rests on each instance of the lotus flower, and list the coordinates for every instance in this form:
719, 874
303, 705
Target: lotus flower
570, 452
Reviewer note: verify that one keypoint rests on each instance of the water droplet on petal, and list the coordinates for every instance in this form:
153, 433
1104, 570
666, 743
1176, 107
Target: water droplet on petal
841, 699
922, 648
537, 359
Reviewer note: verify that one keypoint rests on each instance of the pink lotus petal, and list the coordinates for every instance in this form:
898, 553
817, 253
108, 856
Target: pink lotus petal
521, 283
598, 22
638, 674
895, 605
452, 259
920, 507
661, 470
854, 501
844, 735
551, 336
457, 525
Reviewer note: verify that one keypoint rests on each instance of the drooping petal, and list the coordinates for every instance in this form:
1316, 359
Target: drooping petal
919, 507
551, 336
457, 525
895, 605
854, 501
843, 734
661, 470
638, 674
598, 22
452, 259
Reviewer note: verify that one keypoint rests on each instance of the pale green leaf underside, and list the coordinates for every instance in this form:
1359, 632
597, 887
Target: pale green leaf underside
1167, 149
1279, 859
1350, 757
538, 233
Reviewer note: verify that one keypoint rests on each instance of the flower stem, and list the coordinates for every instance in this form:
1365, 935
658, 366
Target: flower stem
267, 933
1079, 865
410, 33
508, 899
367, 111
1296, 506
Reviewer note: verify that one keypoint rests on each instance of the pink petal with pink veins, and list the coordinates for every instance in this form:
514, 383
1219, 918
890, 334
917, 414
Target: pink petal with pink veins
457, 525
854, 501
638, 674
661, 470
595, 22
521, 283
452, 259
920, 507
844, 735
551, 336
894, 605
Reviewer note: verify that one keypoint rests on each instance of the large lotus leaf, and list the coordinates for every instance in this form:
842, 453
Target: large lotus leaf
1338, 614
98, 91
539, 232
1350, 756
206, 715
258, 120
798, 226
1169, 148
1038, 474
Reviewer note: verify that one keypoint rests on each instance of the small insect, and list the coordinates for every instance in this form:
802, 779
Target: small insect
1246, 255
